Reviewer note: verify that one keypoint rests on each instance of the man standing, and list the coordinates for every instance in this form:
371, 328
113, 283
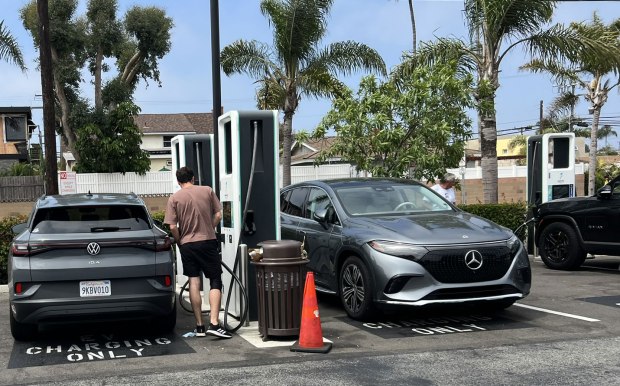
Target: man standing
197, 211
445, 187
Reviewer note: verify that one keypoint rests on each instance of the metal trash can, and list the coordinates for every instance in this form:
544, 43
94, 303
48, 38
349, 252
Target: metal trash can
280, 280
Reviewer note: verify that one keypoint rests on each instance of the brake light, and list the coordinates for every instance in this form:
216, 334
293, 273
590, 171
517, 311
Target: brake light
19, 288
20, 249
163, 244
167, 281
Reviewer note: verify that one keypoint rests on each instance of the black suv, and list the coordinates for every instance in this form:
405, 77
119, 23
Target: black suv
90, 257
569, 228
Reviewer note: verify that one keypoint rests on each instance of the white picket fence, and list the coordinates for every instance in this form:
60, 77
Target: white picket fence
162, 183
150, 184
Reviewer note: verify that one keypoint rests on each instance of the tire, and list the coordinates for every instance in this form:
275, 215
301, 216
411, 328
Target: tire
23, 331
560, 248
356, 289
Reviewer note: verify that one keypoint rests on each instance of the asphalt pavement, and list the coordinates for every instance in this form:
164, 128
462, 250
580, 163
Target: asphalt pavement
566, 332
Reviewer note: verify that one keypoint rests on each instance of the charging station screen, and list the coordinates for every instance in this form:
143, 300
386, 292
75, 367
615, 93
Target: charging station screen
227, 214
561, 191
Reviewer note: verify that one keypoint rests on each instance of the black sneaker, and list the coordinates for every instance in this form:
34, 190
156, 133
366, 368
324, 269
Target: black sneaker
200, 331
217, 330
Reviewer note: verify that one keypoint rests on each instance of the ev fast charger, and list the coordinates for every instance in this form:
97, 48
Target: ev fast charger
248, 149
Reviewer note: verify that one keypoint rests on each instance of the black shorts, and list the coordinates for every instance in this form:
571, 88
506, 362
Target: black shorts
202, 257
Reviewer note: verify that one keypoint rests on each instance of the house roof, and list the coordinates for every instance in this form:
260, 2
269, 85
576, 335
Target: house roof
313, 148
198, 123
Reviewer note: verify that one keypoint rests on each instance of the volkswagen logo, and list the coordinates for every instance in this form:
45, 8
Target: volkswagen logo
93, 249
473, 260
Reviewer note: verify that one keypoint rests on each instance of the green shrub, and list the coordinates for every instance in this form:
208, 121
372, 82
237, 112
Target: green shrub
510, 215
159, 217
6, 235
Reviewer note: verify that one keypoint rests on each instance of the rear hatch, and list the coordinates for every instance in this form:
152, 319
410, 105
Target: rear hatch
91, 243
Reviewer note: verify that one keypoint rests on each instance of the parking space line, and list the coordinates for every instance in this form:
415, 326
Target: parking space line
557, 313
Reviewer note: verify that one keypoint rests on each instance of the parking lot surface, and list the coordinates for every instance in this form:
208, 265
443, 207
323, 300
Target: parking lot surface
562, 307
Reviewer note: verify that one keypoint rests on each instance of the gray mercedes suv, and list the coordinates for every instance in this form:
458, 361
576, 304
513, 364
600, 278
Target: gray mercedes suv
90, 257
396, 243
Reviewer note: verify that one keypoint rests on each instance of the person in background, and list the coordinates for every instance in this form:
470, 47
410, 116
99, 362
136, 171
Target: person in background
445, 187
193, 212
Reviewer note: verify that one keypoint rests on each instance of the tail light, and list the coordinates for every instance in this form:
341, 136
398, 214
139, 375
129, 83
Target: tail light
163, 244
19, 288
167, 280
20, 249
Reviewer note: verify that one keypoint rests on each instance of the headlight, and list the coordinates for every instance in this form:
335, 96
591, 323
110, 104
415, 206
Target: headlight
514, 244
407, 251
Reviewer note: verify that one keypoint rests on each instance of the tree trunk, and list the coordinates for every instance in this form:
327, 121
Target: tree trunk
45, 58
287, 141
487, 125
593, 148
413, 29
65, 108
488, 150
98, 70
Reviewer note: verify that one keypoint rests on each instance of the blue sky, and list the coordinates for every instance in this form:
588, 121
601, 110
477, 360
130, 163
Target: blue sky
381, 24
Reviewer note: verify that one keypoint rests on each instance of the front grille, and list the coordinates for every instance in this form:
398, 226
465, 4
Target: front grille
448, 265
471, 292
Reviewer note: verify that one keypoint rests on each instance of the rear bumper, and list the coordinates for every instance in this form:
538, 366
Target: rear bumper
102, 309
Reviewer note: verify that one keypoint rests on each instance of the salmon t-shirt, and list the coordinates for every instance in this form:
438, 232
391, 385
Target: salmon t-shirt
192, 209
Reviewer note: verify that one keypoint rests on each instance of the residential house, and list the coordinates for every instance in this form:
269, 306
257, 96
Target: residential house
158, 131
16, 129
507, 156
305, 152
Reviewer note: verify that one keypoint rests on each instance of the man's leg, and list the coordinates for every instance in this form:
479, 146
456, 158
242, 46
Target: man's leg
215, 302
196, 299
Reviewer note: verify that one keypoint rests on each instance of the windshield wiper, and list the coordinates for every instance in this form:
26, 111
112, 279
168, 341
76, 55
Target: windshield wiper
107, 229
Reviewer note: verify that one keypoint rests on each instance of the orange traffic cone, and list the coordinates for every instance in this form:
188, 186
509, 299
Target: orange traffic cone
310, 332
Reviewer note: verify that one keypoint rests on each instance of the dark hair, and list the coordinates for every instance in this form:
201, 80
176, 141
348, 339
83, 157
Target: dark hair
184, 175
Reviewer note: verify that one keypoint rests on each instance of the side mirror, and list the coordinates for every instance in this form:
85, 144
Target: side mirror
604, 192
320, 215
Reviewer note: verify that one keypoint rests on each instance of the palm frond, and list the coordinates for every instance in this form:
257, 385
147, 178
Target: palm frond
247, 57
497, 19
347, 57
440, 51
587, 52
9, 48
298, 26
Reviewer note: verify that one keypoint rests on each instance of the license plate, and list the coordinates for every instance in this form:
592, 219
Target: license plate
95, 288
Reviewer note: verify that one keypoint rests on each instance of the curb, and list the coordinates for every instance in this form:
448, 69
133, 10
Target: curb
4, 289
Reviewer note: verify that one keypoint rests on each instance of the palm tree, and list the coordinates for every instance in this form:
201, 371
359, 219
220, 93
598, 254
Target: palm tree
295, 66
496, 27
9, 49
413, 29
588, 73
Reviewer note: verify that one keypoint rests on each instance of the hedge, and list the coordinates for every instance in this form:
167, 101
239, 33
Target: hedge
509, 215
6, 235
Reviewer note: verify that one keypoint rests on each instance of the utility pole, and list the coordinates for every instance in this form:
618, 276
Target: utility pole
45, 57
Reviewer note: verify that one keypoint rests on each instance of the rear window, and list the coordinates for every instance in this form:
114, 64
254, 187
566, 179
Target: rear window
85, 219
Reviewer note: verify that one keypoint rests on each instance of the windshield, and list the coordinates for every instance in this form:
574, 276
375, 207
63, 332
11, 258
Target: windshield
390, 199
86, 219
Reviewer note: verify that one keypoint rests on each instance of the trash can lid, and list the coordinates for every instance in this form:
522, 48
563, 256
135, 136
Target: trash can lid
279, 249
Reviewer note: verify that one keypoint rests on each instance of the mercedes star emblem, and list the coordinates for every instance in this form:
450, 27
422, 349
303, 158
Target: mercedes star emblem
93, 249
473, 260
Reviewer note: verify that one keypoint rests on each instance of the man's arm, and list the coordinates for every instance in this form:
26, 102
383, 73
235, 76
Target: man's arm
175, 233
217, 217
